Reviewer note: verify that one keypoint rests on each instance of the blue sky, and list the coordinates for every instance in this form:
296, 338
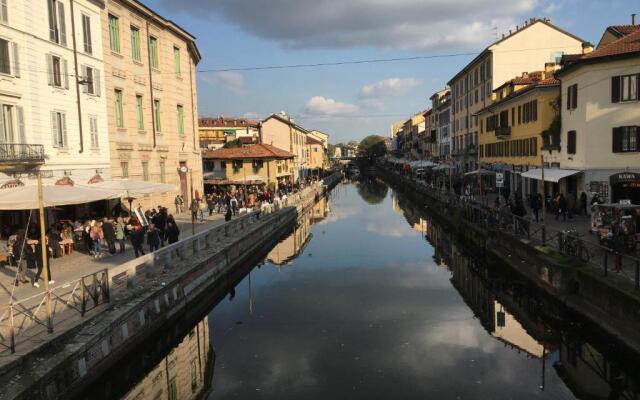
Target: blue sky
352, 101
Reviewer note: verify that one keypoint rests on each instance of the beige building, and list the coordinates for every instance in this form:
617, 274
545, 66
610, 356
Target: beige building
253, 164
150, 85
316, 159
525, 49
281, 131
215, 132
599, 146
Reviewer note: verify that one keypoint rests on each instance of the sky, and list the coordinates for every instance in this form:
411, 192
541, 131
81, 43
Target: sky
350, 102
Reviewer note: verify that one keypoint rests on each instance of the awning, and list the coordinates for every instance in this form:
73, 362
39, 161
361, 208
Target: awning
26, 197
134, 189
550, 174
481, 172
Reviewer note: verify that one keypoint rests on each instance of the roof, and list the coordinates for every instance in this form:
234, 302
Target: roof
531, 22
226, 122
249, 152
625, 46
543, 83
312, 140
622, 30
528, 79
285, 121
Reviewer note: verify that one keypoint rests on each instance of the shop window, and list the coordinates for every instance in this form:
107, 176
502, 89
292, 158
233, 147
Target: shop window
571, 142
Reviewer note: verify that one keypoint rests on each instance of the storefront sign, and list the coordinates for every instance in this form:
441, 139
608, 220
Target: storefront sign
625, 177
12, 184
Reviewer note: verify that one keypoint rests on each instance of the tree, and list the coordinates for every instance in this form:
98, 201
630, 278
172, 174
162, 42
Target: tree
371, 147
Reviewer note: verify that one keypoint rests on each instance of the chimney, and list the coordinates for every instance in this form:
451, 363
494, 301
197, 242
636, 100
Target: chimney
587, 48
633, 19
549, 69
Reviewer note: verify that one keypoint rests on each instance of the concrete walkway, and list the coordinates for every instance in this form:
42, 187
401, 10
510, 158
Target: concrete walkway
71, 267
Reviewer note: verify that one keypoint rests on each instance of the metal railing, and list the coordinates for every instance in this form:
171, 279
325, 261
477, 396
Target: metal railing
20, 152
27, 317
569, 244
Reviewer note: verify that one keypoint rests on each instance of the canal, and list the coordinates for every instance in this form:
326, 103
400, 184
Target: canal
367, 298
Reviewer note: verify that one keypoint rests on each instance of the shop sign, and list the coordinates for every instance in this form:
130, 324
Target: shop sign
625, 177
12, 184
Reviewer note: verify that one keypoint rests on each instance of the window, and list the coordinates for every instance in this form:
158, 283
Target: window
625, 139
145, 171
223, 165
572, 97
8, 53
571, 142
173, 389
92, 80
119, 110
176, 60
57, 27
124, 166
530, 111
625, 88
57, 68
519, 115
513, 116
4, 12
86, 33
153, 51
194, 375
93, 129
135, 44
180, 110
7, 124
114, 33
139, 112
59, 129
156, 115
163, 171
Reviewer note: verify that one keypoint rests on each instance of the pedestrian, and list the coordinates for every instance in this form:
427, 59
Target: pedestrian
137, 239
160, 222
571, 204
120, 234
109, 235
96, 234
583, 204
202, 207
153, 238
194, 209
34, 240
561, 203
227, 215
18, 253
178, 201
173, 232
536, 203
210, 203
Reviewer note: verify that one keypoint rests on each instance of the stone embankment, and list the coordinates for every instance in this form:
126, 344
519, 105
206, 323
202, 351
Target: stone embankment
610, 302
146, 294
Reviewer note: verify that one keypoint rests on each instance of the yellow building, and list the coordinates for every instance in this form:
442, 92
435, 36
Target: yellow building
253, 164
315, 156
281, 131
150, 86
511, 129
215, 132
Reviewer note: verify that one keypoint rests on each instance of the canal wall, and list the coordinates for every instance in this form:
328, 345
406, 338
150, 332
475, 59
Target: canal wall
148, 294
609, 302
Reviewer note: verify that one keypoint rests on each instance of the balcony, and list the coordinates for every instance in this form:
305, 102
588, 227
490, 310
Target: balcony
20, 153
503, 132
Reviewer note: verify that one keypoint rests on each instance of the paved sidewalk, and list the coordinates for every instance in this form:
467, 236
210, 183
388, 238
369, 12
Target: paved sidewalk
78, 264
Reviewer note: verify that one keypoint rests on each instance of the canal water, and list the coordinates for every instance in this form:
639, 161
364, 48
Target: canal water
369, 299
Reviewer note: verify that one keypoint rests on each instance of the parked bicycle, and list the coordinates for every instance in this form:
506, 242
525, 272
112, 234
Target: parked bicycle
573, 246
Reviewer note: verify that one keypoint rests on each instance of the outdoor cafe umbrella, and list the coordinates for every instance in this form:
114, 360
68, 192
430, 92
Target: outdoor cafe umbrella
26, 197
133, 189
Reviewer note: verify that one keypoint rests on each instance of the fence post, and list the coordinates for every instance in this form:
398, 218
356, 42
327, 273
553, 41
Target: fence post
12, 332
106, 288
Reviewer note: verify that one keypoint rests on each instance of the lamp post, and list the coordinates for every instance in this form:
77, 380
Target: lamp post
193, 215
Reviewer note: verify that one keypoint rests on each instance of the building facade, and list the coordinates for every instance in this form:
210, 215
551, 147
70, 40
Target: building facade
281, 131
52, 95
150, 87
600, 134
216, 132
535, 43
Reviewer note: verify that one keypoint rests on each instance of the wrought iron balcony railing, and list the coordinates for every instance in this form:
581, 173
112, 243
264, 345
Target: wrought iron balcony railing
21, 153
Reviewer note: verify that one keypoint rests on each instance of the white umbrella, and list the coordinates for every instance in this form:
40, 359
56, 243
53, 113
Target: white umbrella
26, 197
133, 189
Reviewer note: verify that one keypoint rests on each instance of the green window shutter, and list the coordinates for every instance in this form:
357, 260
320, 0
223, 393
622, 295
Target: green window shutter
119, 111
114, 34
135, 44
180, 120
139, 112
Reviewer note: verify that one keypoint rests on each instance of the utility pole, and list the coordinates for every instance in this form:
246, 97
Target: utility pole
45, 261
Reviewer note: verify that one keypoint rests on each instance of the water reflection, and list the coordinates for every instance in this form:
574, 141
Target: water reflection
385, 307
372, 190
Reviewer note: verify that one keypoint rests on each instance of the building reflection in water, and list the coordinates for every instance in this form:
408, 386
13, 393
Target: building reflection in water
292, 246
185, 373
517, 317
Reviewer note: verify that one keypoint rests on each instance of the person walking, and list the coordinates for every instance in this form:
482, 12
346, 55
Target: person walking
536, 203
561, 203
173, 232
34, 240
18, 254
583, 204
153, 238
109, 235
137, 239
120, 234
571, 204
96, 233
194, 209
178, 201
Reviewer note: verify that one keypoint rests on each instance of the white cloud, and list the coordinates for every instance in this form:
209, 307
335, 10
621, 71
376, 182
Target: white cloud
389, 87
233, 81
398, 24
319, 105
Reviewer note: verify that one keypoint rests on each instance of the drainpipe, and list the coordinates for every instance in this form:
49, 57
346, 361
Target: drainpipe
153, 110
193, 110
77, 84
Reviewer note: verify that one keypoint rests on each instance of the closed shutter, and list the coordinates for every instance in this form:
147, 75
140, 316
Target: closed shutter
574, 97
617, 140
62, 25
50, 69
535, 110
63, 125
571, 142
21, 131
569, 98
96, 82
54, 129
65, 74
85, 87
16, 60
52, 21
4, 12
615, 89
638, 87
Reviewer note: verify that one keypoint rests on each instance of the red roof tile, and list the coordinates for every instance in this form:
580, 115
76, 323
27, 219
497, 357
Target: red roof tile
226, 122
627, 44
252, 152
312, 140
623, 30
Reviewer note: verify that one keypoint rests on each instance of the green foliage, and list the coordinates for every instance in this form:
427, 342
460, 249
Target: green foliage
372, 146
233, 143
554, 129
